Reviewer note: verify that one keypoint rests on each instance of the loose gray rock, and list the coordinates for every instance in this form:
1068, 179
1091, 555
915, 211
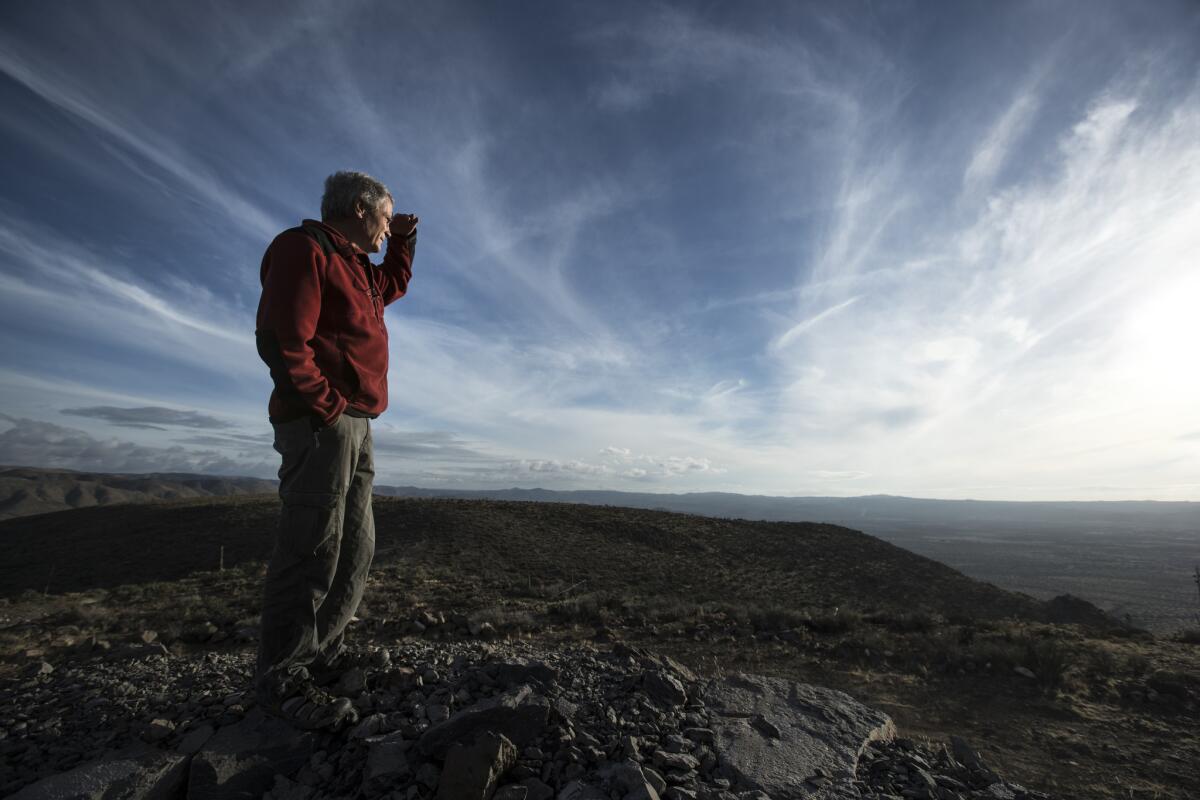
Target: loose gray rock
472, 771
630, 781
578, 790
387, 762
285, 789
665, 688
513, 791
158, 729
655, 780
676, 761
525, 670
537, 789
368, 727
37, 669
965, 754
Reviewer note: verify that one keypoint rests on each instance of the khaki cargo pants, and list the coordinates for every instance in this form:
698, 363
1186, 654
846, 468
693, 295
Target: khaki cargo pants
323, 549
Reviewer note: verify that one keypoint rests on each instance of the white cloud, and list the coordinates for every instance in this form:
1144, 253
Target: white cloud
75, 290
800, 328
1006, 132
29, 442
1011, 344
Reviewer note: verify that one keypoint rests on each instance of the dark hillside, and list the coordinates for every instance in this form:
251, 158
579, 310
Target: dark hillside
499, 545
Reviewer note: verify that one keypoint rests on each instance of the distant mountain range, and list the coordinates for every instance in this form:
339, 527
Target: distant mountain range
897, 514
31, 490
25, 491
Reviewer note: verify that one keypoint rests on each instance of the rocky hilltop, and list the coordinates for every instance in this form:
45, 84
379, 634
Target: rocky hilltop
469, 721
132, 627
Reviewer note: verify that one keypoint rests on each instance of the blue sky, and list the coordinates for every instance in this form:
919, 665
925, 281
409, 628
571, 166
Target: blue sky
935, 249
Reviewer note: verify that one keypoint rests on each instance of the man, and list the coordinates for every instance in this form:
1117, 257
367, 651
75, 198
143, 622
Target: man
320, 330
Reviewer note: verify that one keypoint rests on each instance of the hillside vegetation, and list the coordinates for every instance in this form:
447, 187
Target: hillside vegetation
500, 547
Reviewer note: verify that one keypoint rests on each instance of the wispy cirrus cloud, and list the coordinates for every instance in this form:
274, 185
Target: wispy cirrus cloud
1007, 131
152, 417
74, 288
790, 335
45, 77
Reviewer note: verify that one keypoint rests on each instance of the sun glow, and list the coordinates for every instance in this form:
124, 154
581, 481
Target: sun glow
1161, 335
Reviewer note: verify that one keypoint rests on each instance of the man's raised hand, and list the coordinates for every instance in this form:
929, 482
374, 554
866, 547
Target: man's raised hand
403, 225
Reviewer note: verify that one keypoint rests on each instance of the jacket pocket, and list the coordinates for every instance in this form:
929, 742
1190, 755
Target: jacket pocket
352, 375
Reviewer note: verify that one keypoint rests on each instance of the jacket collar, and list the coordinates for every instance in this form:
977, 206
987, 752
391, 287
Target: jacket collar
339, 241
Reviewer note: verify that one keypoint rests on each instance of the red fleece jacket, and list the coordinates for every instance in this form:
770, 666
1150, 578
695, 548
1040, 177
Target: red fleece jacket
320, 323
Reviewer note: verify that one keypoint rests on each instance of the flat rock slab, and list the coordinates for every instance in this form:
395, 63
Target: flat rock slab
242, 760
519, 714
789, 739
136, 773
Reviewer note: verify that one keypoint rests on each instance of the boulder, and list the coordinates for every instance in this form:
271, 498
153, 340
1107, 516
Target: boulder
242, 760
140, 772
773, 735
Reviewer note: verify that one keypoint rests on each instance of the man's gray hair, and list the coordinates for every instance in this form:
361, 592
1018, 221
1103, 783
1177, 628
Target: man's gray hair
344, 189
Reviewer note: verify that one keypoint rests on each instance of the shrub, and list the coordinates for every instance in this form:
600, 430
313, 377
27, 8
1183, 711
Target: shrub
1137, 664
592, 607
86, 615
865, 648
912, 622
1049, 660
775, 618
1190, 636
506, 619
1103, 663
837, 621
1003, 654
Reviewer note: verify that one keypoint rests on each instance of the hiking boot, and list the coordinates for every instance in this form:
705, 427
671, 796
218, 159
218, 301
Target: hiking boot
343, 662
309, 707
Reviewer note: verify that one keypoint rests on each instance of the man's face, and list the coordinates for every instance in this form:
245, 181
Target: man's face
376, 226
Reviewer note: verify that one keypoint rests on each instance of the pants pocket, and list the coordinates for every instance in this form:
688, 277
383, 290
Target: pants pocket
309, 522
